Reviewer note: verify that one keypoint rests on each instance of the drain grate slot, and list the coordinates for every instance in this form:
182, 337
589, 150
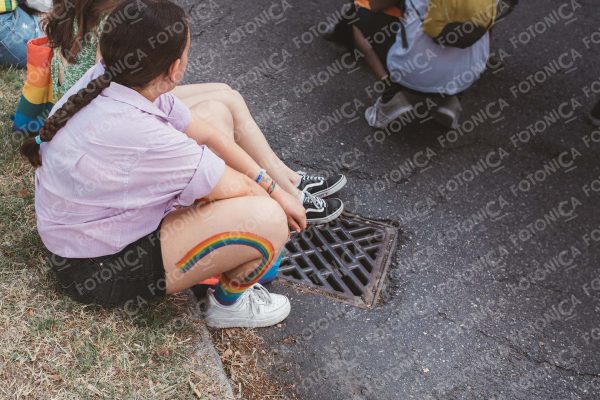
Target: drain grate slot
347, 258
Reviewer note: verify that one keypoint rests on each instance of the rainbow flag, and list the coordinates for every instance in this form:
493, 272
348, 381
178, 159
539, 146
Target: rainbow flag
7, 6
36, 100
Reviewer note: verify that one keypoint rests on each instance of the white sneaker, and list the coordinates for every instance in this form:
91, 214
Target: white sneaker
255, 309
380, 114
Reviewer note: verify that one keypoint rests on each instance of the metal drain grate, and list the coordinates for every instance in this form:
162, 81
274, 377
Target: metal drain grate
347, 258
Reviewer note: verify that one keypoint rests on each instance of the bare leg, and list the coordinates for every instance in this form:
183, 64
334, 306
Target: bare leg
246, 131
370, 56
183, 91
185, 228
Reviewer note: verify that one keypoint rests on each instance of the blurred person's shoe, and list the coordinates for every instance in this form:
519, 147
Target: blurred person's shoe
329, 33
254, 309
447, 112
380, 114
595, 114
319, 185
321, 211
340, 30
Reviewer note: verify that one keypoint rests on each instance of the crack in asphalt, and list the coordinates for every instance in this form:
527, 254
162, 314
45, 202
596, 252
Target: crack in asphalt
533, 359
522, 352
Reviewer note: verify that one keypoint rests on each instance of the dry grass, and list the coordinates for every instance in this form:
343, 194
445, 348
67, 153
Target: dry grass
240, 350
54, 348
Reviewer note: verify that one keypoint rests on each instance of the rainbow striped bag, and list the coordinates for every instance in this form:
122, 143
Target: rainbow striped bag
36, 100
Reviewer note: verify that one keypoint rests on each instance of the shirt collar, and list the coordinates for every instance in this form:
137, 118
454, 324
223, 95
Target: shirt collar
126, 95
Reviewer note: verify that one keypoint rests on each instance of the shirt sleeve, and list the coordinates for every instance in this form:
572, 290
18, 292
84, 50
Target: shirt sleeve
208, 173
178, 113
173, 171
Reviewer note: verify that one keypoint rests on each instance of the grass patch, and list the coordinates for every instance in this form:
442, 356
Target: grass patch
241, 351
52, 347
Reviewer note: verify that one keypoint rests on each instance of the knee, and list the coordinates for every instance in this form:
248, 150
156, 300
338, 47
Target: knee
222, 86
215, 112
233, 99
274, 222
236, 96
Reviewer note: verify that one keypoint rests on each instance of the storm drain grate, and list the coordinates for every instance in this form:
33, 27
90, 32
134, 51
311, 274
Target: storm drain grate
347, 258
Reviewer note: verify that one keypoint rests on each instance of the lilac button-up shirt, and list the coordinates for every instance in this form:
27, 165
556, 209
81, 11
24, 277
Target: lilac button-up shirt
116, 169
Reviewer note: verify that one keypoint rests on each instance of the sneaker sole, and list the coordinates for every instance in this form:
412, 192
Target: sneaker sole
245, 323
334, 189
326, 219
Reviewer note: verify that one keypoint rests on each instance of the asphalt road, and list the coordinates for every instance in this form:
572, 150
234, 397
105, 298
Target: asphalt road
494, 291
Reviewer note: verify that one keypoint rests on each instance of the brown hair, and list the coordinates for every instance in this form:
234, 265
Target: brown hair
141, 41
70, 22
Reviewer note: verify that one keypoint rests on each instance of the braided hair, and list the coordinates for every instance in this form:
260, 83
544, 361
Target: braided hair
140, 42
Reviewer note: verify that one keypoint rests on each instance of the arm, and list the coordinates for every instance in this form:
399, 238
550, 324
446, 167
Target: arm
236, 158
227, 149
234, 184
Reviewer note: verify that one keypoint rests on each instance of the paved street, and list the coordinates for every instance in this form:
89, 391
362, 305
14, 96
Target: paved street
494, 291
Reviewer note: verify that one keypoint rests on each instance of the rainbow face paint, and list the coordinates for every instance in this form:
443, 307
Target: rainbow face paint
264, 247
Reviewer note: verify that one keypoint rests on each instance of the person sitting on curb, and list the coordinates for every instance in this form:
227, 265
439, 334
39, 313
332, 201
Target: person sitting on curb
19, 23
119, 169
76, 50
440, 51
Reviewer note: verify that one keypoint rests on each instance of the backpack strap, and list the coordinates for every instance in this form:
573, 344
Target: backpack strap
403, 28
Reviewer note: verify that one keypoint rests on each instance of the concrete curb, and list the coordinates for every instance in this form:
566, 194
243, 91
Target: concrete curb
212, 371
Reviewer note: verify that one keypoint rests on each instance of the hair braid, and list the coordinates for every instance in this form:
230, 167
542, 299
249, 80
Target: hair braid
56, 121
133, 63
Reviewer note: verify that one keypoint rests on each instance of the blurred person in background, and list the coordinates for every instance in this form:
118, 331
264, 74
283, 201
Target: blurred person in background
19, 23
441, 50
371, 27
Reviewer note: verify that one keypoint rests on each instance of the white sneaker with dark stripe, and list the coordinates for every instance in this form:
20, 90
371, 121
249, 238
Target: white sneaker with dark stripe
380, 114
319, 185
321, 211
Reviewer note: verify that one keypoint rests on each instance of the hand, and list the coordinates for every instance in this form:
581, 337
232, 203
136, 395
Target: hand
296, 214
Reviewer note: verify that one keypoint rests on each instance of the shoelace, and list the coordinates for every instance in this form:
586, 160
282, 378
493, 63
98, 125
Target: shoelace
311, 199
310, 178
255, 293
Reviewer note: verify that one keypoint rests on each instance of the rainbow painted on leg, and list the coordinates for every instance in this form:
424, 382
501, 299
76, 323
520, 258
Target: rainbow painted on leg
228, 291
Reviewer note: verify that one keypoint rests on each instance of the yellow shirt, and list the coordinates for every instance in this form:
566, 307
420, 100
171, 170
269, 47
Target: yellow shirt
441, 12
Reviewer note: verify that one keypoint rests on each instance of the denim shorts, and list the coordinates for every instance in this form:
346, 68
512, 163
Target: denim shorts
135, 274
16, 29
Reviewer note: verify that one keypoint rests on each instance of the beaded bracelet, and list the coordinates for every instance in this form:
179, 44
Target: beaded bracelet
260, 176
265, 181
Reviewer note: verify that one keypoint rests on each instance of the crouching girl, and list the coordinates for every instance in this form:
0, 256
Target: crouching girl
119, 175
